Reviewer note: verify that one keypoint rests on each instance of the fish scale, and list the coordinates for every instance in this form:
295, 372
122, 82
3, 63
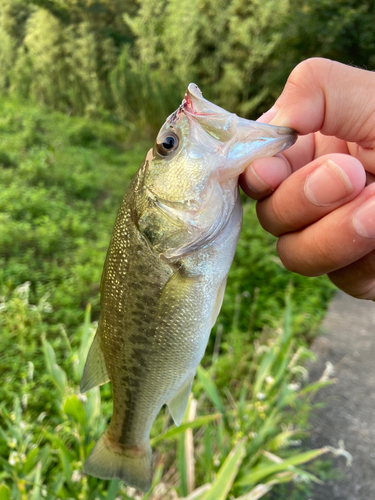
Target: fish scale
165, 272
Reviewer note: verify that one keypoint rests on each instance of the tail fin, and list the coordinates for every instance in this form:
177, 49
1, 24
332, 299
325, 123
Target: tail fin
111, 461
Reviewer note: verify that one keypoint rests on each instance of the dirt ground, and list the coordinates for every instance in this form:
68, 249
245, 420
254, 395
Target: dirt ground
348, 418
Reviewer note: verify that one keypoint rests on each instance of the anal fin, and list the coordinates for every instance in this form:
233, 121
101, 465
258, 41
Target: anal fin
177, 405
218, 302
95, 372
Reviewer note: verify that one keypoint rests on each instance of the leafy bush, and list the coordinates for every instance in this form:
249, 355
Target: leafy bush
60, 188
135, 59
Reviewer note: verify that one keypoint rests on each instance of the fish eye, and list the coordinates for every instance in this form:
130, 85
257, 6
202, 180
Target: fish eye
167, 143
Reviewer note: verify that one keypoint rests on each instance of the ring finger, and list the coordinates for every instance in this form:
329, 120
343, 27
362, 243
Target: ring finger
337, 240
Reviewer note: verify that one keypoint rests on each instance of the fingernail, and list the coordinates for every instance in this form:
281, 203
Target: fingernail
268, 115
327, 184
364, 219
254, 182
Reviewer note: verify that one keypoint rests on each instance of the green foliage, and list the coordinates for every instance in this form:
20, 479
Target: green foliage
43, 460
124, 66
72, 175
62, 179
246, 450
135, 59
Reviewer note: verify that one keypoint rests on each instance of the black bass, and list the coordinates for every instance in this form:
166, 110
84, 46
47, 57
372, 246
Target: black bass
165, 273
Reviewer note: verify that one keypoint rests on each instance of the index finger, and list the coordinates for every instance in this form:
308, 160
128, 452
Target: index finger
335, 99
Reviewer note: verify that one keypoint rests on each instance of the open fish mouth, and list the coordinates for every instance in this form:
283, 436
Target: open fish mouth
195, 104
242, 140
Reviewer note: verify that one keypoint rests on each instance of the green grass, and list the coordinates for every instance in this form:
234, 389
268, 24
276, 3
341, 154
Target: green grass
62, 179
234, 440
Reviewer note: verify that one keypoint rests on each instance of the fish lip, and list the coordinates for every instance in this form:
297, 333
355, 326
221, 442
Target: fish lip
233, 129
192, 92
288, 131
190, 105
195, 104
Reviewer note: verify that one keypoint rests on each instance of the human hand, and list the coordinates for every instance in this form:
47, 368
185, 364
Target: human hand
313, 196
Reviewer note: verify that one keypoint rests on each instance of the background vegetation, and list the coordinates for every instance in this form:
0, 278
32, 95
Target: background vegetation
84, 86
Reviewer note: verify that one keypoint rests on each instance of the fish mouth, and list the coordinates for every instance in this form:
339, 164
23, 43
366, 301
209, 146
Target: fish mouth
195, 104
243, 140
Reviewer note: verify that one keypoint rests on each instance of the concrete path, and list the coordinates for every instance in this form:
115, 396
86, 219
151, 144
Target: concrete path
349, 413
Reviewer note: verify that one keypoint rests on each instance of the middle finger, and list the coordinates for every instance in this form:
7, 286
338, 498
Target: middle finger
311, 193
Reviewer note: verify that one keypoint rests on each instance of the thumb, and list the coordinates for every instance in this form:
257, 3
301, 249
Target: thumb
330, 97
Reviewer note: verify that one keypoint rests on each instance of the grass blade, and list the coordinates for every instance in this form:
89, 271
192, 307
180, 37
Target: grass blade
189, 448
181, 464
197, 494
112, 490
264, 471
36, 491
4, 492
174, 432
86, 341
57, 373
74, 408
227, 474
210, 389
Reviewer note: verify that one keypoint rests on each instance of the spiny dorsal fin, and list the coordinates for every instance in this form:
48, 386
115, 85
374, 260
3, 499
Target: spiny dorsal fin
95, 371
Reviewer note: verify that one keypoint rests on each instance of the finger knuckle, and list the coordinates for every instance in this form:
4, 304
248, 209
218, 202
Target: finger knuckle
271, 216
283, 219
305, 73
287, 257
307, 254
324, 256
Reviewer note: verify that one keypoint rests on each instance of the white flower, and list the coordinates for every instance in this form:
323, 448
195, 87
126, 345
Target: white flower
23, 291
24, 403
30, 370
76, 476
42, 416
261, 396
13, 458
130, 492
294, 386
82, 398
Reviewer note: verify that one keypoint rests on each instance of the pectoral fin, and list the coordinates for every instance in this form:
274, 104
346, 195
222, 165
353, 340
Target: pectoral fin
95, 371
177, 405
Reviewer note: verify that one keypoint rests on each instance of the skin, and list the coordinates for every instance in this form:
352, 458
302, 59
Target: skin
318, 197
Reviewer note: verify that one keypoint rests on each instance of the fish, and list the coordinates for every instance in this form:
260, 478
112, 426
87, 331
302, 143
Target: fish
165, 273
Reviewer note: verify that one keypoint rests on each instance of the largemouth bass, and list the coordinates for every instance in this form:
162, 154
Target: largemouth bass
165, 273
